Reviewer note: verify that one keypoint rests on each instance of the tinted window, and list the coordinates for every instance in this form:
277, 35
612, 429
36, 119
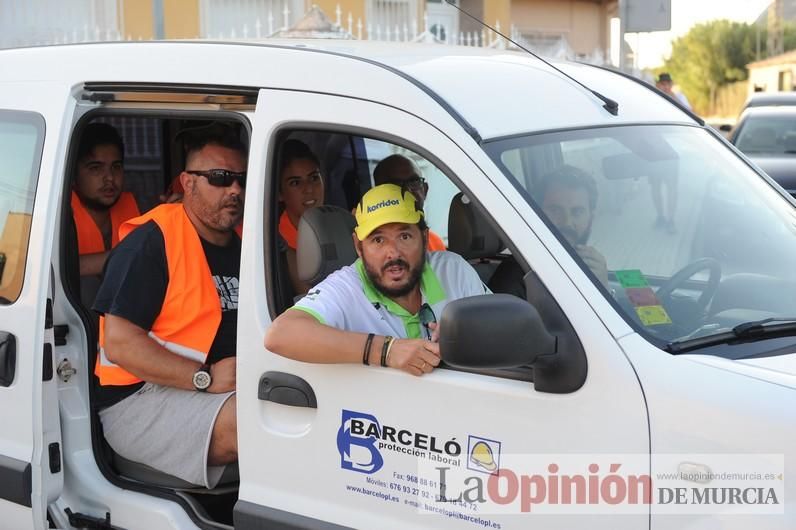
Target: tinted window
768, 134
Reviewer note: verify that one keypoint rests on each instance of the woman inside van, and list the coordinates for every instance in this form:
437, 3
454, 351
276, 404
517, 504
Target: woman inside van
300, 188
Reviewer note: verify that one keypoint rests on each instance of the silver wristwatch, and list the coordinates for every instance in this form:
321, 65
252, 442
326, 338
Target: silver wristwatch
202, 378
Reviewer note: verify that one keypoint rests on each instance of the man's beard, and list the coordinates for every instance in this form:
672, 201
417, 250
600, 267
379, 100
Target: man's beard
414, 276
96, 205
213, 215
573, 238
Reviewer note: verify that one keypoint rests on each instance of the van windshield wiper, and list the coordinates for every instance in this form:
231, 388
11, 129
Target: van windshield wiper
768, 328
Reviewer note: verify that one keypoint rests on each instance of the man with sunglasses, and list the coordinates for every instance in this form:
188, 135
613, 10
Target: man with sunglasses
169, 302
381, 310
401, 171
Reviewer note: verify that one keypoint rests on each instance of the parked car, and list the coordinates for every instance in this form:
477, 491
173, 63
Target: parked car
760, 99
770, 99
767, 135
682, 360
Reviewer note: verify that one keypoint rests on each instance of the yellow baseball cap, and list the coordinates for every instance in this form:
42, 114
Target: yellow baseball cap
382, 205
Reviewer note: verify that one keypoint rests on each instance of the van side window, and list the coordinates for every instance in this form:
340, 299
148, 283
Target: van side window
21, 142
348, 165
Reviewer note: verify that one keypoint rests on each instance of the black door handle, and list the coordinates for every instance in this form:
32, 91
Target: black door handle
8, 358
286, 389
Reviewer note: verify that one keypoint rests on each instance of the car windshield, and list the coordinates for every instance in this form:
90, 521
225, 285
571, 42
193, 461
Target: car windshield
768, 134
679, 232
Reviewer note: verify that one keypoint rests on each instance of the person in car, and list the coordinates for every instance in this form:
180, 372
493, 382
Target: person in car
301, 187
381, 310
401, 171
666, 205
99, 205
568, 197
168, 334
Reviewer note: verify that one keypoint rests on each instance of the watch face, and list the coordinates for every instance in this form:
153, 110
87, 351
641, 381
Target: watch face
201, 380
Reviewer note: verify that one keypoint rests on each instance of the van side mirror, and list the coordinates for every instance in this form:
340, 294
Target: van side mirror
725, 127
493, 331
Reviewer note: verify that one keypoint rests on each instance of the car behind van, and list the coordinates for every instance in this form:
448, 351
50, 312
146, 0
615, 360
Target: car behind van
658, 393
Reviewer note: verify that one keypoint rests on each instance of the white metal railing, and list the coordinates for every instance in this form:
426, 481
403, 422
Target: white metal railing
38, 22
387, 20
396, 17
247, 19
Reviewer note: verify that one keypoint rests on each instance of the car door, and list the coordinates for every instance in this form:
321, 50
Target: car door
30, 439
303, 429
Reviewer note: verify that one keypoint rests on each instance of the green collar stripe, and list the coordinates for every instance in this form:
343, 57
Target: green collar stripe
430, 287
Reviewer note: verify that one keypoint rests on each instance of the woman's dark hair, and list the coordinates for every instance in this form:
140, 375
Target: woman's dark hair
294, 149
99, 134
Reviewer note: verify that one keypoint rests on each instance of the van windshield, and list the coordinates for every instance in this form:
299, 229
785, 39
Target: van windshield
679, 232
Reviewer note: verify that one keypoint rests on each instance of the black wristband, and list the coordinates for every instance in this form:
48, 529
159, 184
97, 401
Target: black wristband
366, 351
384, 348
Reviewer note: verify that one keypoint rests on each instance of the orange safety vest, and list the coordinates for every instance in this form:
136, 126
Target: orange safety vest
89, 237
288, 232
191, 311
435, 242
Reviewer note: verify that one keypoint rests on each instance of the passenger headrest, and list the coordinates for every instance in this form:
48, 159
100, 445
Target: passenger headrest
324, 242
469, 234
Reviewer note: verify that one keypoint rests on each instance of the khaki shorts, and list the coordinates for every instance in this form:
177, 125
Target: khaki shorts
168, 429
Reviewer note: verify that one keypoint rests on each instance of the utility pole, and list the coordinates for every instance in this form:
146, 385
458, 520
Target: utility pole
776, 36
622, 26
157, 16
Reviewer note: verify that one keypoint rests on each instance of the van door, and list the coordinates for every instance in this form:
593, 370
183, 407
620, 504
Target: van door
30, 438
348, 448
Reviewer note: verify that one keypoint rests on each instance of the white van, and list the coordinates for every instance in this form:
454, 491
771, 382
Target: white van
686, 348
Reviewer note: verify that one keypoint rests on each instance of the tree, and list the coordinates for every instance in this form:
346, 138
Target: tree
716, 53
711, 55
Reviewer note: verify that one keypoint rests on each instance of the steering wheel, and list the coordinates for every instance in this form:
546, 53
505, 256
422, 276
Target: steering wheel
664, 293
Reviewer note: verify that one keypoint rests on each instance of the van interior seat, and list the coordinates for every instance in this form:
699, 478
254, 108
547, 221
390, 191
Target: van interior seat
324, 242
471, 236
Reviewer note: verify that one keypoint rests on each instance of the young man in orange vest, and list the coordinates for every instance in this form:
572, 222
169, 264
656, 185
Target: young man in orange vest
99, 205
168, 336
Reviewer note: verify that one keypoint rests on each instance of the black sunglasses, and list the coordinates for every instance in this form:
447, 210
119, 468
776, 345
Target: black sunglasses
414, 182
426, 316
221, 178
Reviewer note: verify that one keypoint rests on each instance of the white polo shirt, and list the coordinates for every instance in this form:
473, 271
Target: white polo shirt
347, 299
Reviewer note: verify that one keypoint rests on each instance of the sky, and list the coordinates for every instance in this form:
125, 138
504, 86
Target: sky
655, 46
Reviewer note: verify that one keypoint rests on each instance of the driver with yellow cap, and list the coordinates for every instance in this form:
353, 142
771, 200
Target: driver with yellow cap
383, 309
